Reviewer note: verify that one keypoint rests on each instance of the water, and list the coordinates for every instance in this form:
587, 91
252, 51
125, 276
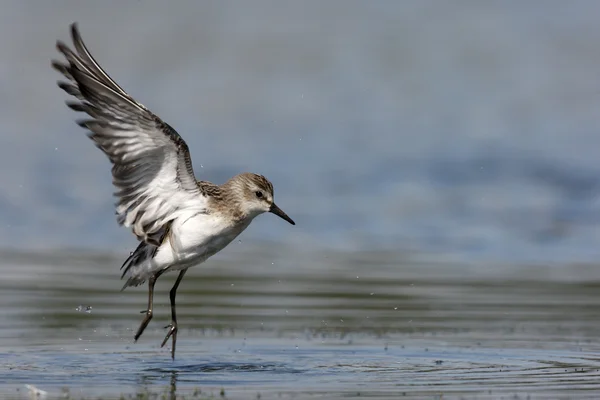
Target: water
345, 324
440, 160
467, 129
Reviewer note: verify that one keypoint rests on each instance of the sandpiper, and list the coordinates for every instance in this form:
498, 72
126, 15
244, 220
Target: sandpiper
179, 221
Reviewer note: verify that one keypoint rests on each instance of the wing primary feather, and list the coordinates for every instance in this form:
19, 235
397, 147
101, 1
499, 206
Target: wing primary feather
91, 62
152, 168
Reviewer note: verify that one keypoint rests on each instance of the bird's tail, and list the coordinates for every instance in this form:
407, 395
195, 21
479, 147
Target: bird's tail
134, 267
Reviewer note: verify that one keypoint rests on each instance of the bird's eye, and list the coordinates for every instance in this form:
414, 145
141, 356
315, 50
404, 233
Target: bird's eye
259, 194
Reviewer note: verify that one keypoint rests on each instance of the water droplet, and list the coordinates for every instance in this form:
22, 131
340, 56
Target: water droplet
372, 293
88, 309
233, 284
79, 308
356, 276
296, 347
395, 308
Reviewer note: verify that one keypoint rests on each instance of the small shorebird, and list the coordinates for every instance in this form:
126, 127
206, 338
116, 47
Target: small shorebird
179, 221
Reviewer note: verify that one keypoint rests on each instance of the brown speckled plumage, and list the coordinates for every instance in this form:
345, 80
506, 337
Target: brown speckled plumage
229, 197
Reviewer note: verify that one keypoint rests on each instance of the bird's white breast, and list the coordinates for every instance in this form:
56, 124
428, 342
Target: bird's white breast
195, 238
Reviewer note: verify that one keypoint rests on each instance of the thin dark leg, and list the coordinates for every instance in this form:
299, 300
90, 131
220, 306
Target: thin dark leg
148, 316
173, 325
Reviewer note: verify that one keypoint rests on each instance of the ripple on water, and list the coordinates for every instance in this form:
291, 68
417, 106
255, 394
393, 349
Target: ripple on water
405, 327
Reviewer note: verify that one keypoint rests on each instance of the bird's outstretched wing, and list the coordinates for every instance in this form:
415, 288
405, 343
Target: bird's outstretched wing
152, 169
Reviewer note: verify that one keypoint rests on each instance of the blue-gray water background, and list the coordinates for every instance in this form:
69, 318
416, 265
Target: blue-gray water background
466, 127
465, 133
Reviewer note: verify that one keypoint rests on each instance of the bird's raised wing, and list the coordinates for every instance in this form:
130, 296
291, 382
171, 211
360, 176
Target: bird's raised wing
152, 169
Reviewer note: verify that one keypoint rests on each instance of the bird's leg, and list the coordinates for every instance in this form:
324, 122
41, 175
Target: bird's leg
173, 325
148, 316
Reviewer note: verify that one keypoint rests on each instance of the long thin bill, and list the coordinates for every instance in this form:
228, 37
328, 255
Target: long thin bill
279, 212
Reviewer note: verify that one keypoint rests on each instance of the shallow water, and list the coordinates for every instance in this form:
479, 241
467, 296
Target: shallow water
375, 325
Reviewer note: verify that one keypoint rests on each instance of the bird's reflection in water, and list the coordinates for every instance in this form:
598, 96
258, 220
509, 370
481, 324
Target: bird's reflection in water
163, 381
173, 386
150, 380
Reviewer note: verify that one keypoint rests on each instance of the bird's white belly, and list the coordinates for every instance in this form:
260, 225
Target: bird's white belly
194, 239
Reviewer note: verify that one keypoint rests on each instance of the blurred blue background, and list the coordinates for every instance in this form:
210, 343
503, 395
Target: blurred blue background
464, 129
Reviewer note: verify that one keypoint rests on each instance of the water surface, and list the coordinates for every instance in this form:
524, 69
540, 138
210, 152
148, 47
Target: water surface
375, 325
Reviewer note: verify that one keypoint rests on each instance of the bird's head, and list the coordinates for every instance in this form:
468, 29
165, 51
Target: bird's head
254, 196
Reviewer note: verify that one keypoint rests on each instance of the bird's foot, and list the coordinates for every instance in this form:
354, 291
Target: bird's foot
143, 325
171, 333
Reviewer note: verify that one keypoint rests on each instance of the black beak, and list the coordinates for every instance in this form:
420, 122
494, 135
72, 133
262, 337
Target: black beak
279, 212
